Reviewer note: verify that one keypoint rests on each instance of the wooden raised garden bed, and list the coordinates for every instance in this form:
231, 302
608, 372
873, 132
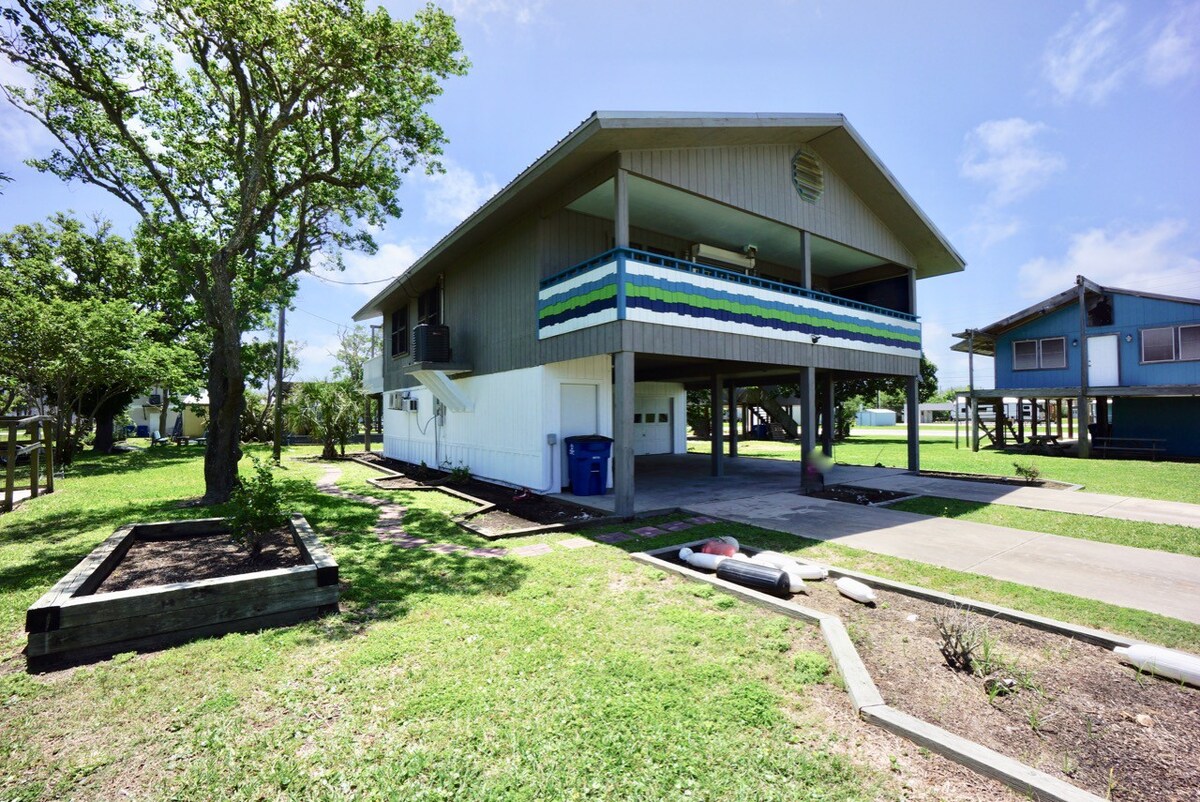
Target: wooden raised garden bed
73, 622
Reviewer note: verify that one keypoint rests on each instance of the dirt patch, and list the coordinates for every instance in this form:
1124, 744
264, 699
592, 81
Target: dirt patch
1048, 484
498, 522
1073, 710
160, 562
530, 508
866, 496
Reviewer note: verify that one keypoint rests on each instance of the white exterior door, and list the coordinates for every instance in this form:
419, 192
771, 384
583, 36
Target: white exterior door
578, 414
652, 425
1103, 367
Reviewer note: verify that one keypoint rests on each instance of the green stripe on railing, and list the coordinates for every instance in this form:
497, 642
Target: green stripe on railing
598, 294
736, 307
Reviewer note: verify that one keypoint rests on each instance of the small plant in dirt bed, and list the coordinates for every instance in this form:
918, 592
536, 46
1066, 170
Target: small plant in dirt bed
456, 474
960, 640
1029, 473
257, 508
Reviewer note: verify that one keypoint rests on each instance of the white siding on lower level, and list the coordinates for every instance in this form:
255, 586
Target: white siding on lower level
505, 436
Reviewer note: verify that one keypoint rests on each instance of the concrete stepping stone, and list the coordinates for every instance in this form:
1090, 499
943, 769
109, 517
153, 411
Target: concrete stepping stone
700, 520
613, 537
648, 531
576, 543
677, 526
486, 552
536, 550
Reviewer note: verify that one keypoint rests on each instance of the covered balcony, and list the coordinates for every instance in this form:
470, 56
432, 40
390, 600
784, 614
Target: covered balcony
688, 261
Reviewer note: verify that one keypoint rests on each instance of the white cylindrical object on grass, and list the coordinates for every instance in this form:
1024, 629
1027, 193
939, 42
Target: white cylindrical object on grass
699, 560
793, 568
853, 589
795, 580
1169, 663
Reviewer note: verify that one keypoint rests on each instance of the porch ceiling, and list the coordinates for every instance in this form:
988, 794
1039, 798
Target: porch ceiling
677, 213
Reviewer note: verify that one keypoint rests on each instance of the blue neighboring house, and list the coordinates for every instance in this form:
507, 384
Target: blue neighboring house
1142, 356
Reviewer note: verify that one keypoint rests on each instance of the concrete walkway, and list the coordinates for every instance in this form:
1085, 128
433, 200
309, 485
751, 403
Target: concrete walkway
1139, 578
1037, 498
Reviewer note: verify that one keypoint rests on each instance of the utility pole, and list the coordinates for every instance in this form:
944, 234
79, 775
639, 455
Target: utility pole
279, 389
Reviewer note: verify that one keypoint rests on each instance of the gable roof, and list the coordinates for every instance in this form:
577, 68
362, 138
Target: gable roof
608, 132
985, 338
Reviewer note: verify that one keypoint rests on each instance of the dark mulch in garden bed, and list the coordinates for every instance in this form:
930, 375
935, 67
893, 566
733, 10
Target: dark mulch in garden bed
161, 562
532, 509
498, 522
865, 496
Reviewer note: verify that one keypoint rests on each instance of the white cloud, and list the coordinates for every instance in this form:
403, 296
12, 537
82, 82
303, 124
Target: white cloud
1175, 51
1151, 258
990, 229
21, 136
481, 11
450, 197
1003, 154
317, 358
1083, 60
392, 259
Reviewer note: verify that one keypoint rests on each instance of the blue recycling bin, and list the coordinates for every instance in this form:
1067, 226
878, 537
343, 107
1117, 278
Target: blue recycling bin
587, 464
143, 431
761, 430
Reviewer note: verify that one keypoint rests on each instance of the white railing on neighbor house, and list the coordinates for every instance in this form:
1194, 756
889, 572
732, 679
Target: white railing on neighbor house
373, 375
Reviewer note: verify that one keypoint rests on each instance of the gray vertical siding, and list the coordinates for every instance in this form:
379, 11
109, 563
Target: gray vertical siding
758, 178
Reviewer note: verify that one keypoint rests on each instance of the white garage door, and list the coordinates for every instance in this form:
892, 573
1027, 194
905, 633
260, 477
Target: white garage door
652, 424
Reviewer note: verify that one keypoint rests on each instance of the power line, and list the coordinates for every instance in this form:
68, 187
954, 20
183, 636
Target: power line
318, 317
349, 283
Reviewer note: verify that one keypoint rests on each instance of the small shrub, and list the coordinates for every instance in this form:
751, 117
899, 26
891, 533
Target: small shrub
1029, 473
959, 639
257, 508
457, 474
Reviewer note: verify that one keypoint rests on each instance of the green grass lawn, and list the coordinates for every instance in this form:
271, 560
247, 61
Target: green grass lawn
574, 675
1170, 481
1160, 537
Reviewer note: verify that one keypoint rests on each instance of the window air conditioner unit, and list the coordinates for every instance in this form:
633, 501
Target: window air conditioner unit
720, 257
410, 405
397, 400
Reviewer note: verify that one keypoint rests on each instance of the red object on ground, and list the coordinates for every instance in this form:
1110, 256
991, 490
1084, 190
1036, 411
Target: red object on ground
718, 547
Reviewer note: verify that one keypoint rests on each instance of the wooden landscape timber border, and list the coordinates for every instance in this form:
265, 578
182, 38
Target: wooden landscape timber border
71, 623
865, 697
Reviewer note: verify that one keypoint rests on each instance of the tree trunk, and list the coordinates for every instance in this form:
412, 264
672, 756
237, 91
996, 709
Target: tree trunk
227, 401
330, 451
103, 444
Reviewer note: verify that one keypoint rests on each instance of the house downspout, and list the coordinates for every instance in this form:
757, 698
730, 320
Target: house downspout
1085, 436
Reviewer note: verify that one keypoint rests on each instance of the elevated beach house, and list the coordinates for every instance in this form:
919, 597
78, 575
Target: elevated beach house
644, 255
1125, 363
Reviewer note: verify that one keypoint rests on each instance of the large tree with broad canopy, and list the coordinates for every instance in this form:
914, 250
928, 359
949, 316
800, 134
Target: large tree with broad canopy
246, 135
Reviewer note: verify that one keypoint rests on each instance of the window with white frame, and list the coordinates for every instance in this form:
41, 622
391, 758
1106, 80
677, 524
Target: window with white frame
1158, 345
1045, 354
1189, 342
1025, 355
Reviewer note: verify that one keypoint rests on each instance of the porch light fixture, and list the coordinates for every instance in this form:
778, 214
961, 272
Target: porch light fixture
816, 338
1128, 338
1074, 343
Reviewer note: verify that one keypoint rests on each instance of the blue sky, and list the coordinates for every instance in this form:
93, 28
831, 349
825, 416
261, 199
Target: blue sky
1044, 139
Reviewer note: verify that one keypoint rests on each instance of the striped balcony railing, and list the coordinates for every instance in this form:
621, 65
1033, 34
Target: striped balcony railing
625, 284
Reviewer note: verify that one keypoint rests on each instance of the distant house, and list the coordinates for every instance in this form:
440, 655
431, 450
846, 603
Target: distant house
189, 413
644, 255
1125, 362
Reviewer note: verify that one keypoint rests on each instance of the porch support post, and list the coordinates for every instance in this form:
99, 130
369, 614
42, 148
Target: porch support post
912, 416
830, 422
718, 425
623, 433
1085, 443
733, 423
806, 259
808, 416
973, 434
621, 215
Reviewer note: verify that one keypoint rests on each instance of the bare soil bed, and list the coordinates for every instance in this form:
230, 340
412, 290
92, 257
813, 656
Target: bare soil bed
498, 522
1048, 484
865, 496
1075, 711
149, 563
530, 508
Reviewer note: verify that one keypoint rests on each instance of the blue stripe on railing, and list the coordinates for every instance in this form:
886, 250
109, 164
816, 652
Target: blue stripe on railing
722, 275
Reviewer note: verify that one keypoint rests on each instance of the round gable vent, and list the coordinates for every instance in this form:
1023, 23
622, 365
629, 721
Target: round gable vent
807, 175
